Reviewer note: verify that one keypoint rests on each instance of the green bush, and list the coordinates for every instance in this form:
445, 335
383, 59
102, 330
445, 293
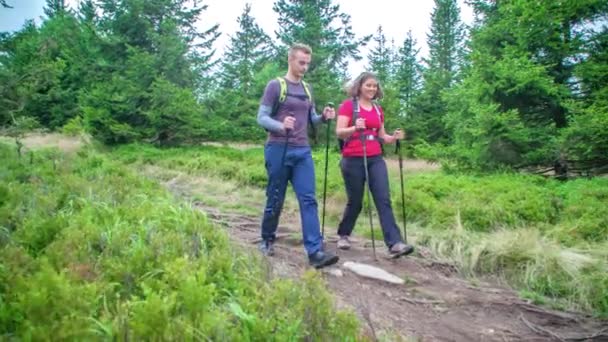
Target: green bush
90, 250
74, 127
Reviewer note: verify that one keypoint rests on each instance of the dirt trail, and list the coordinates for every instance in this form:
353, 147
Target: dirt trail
435, 304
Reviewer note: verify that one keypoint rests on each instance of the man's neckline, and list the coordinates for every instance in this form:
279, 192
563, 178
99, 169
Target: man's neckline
292, 81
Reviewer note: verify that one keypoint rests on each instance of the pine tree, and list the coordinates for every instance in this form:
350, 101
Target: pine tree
86, 11
381, 58
446, 43
154, 49
166, 29
586, 138
248, 51
237, 97
320, 24
55, 7
527, 84
409, 73
446, 50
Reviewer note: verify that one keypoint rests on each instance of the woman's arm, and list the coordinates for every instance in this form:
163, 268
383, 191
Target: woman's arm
344, 131
389, 139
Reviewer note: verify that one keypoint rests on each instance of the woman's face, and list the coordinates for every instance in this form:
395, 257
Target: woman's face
369, 88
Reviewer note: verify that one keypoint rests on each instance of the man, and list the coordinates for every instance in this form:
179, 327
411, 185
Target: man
288, 155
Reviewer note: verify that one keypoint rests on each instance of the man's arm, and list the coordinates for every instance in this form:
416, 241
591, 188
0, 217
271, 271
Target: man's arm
316, 118
270, 97
265, 120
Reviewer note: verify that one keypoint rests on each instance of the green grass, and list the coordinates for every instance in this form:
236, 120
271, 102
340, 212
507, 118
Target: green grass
544, 237
571, 212
90, 250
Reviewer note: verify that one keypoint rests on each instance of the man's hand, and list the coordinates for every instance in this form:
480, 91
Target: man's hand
328, 112
289, 123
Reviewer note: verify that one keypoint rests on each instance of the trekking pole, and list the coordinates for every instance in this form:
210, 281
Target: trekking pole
287, 135
398, 148
331, 105
369, 199
276, 189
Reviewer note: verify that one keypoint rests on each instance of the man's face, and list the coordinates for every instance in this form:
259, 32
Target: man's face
299, 62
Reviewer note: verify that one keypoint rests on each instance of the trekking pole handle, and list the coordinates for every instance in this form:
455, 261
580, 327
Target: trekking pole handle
330, 105
361, 133
288, 130
358, 129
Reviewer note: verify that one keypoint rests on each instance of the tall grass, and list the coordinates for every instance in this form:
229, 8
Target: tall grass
539, 266
90, 250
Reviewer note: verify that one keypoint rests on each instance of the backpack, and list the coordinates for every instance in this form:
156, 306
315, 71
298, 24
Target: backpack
356, 110
283, 96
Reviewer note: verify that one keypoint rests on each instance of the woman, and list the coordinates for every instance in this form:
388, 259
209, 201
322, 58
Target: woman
369, 125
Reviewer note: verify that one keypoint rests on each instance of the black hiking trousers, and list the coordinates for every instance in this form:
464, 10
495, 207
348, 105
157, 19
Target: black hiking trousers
353, 173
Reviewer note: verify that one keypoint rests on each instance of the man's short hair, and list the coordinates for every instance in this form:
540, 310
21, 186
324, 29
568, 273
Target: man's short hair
300, 47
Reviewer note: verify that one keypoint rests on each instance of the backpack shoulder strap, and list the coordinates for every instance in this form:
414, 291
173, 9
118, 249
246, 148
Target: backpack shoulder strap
377, 109
283, 89
307, 90
282, 96
356, 109
312, 125
380, 118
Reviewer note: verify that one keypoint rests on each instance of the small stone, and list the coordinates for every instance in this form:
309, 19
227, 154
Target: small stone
335, 272
373, 272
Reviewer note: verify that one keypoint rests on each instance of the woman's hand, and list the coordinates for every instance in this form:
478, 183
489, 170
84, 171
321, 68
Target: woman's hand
360, 124
398, 134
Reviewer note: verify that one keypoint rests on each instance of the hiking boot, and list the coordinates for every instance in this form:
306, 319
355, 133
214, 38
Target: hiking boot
321, 259
267, 247
343, 242
400, 249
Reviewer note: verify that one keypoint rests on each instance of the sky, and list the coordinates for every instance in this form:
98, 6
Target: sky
366, 16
